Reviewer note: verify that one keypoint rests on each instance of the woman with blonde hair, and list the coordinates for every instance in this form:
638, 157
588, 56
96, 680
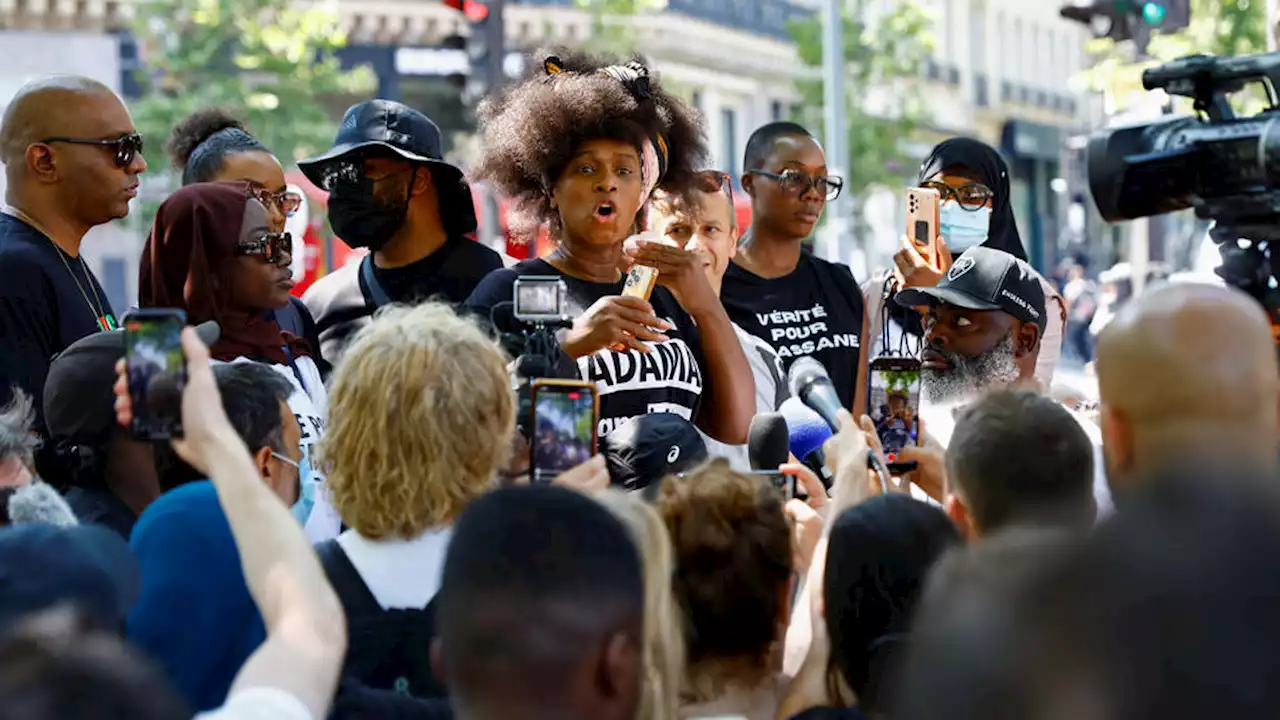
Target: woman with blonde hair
422, 415
663, 642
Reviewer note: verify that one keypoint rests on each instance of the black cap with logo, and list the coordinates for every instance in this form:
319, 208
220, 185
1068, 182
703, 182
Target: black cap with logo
411, 135
646, 449
986, 279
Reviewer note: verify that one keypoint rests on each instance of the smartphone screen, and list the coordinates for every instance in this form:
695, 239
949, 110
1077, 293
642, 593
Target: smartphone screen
563, 429
895, 403
157, 372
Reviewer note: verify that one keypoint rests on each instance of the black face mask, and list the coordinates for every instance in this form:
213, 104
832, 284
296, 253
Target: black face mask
360, 220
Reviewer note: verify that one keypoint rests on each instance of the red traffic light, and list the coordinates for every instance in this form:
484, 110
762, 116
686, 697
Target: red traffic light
475, 11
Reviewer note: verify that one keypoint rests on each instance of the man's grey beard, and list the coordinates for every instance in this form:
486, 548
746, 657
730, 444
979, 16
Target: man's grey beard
969, 376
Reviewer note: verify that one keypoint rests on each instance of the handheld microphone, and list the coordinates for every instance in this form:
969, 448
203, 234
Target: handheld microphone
807, 430
808, 380
808, 433
767, 441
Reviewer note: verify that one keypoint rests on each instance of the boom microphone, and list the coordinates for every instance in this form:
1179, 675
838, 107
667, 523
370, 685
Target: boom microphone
40, 503
767, 441
809, 381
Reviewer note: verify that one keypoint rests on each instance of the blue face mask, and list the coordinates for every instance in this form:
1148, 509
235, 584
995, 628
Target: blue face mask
961, 228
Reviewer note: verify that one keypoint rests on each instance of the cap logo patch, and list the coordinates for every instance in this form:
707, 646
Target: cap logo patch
674, 454
962, 265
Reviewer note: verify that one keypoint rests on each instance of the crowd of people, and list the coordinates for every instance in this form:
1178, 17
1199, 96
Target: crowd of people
347, 526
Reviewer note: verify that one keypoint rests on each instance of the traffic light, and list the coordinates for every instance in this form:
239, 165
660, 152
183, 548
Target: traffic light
1130, 19
485, 46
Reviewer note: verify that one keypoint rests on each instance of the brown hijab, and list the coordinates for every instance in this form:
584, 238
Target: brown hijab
188, 261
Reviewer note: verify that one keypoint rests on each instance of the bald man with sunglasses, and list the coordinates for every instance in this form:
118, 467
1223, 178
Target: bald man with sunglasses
71, 158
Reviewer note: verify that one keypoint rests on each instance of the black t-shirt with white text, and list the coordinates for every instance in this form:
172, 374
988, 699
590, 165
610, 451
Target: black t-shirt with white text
629, 383
815, 310
42, 309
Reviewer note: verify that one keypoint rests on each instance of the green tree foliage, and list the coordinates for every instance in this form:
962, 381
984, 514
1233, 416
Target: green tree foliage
610, 30
1217, 27
883, 55
271, 62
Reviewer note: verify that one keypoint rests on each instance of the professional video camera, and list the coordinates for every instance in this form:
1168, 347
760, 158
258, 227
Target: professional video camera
1226, 167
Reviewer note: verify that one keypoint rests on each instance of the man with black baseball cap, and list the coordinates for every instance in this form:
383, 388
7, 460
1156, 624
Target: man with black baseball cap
983, 325
391, 191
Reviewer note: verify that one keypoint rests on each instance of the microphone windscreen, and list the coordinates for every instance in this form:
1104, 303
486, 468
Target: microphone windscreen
40, 503
767, 441
806, 429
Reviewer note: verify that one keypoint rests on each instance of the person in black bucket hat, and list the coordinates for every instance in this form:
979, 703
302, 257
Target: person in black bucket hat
391, 191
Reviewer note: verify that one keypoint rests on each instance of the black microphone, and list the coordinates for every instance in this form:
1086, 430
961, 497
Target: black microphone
768, 441
809, 381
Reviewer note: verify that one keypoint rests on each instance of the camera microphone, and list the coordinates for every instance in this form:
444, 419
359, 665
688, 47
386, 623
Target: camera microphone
809, 381
807, 433
768, 441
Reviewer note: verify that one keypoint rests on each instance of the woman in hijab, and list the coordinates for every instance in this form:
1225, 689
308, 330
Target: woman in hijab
212, 253
976, 209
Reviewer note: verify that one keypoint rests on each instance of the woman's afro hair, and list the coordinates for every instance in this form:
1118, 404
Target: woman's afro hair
532, 131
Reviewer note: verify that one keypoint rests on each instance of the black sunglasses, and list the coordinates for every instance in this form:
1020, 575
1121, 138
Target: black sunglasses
273, 247
127, 147
351, 175
797, 183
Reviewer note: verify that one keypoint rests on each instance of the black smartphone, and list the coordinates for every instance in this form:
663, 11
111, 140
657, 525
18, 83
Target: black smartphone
894, 407
563, 430
156, 371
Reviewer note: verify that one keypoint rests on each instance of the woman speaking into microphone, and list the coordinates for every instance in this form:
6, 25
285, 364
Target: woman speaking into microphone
581, 147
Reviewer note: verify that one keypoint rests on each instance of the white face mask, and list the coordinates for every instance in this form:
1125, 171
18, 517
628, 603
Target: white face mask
963, 228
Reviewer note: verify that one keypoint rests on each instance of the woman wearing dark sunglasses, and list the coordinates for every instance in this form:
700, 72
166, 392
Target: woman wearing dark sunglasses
213, 253
774, 288
210, 145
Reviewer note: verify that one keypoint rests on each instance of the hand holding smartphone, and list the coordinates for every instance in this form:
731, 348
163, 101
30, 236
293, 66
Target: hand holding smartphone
923, 212
156, 369
563, 430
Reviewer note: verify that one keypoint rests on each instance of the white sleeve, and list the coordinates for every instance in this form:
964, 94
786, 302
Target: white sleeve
259, 703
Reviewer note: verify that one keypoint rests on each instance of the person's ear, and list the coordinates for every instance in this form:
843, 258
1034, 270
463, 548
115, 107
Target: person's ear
437, 662
620, 672
736, 234
41, 163
421, 181
1026, 339
1117, 439
262, 458
959, 515
748, 182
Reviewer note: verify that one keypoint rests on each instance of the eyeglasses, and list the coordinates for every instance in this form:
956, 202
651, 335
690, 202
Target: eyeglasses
127, 148
291, 463
273, 247
797, 183
971, 196
286, 201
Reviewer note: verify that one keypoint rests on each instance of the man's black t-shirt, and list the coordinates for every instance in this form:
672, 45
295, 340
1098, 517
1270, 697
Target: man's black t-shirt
342, 301
42, 311
816, 310
630, 383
